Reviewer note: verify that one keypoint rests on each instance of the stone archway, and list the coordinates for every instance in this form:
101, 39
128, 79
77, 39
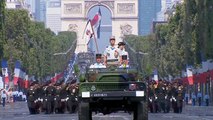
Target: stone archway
124, 17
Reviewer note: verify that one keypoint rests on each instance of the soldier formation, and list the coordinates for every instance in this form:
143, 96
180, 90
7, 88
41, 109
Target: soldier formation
165, 96
51, 97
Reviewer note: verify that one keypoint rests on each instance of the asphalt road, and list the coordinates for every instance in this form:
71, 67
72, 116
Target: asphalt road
19, 111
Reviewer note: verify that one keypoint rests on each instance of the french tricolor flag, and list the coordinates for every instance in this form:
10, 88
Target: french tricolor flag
96, 23
5, 71
189, 75
17, 73
26, 81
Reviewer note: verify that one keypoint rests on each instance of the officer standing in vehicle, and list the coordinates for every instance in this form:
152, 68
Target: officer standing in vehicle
111, 52
122, 51
98, 63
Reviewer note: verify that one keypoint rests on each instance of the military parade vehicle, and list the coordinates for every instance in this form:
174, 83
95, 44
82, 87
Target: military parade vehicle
112, 89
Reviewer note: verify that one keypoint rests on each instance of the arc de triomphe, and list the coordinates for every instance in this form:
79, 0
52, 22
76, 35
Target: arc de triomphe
124, 17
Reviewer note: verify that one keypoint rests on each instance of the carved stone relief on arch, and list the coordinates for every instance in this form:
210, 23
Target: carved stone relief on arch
73, 28
126, 29
89, 4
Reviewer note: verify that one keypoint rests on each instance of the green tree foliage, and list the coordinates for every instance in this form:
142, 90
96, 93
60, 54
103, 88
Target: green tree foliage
185, 40
34, 46
2, 26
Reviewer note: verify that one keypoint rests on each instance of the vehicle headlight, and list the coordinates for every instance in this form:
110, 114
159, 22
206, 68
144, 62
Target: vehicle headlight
132, 87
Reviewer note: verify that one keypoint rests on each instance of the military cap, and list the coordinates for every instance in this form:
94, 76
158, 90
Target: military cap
121, 43
124, 57
33, 83
112, 38
98, 55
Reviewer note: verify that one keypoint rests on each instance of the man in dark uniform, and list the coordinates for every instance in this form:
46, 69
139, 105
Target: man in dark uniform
152, 97
49, 97
72, 91
180, 98
160, 91
32, 98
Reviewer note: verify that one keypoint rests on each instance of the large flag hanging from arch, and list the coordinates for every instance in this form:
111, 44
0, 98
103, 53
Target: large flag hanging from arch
5, 71
96, 23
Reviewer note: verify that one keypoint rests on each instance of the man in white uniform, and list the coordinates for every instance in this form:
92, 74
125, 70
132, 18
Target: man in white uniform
111, 52
98, 63
122, 51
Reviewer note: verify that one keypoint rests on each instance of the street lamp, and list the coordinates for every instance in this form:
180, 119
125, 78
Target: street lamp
3, 73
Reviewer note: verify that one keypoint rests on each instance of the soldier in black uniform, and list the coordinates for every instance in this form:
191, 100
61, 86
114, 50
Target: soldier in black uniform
49, 97
72, 92
32, 98
60, 97
160, 91
152, 98
180, 98
168, 97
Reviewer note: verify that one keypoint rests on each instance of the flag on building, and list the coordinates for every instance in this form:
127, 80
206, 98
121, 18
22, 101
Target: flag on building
189, 74
88, 32
156, 75
96, 23
5, 72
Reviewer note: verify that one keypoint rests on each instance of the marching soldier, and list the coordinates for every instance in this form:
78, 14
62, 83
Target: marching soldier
32, 98
180, 99
72, 102
49, 97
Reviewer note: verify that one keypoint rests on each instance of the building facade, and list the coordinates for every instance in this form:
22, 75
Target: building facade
53, 15
40, 10
148, 10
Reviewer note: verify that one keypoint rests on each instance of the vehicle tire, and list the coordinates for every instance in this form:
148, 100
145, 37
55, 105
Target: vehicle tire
141, 111
84, 112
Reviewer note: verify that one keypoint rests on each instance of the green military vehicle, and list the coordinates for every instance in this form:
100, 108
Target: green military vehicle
113, 89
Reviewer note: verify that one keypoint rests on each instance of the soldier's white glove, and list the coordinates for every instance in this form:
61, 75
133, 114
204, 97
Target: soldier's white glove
166, 97
73, 90
150, 99
67, 99
156, 98
170, 99
41, 100
76, 99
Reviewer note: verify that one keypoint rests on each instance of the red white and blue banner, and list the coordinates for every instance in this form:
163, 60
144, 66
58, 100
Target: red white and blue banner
88, 32
57, 77
189, 75
17, 73
5, 72
96, 23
